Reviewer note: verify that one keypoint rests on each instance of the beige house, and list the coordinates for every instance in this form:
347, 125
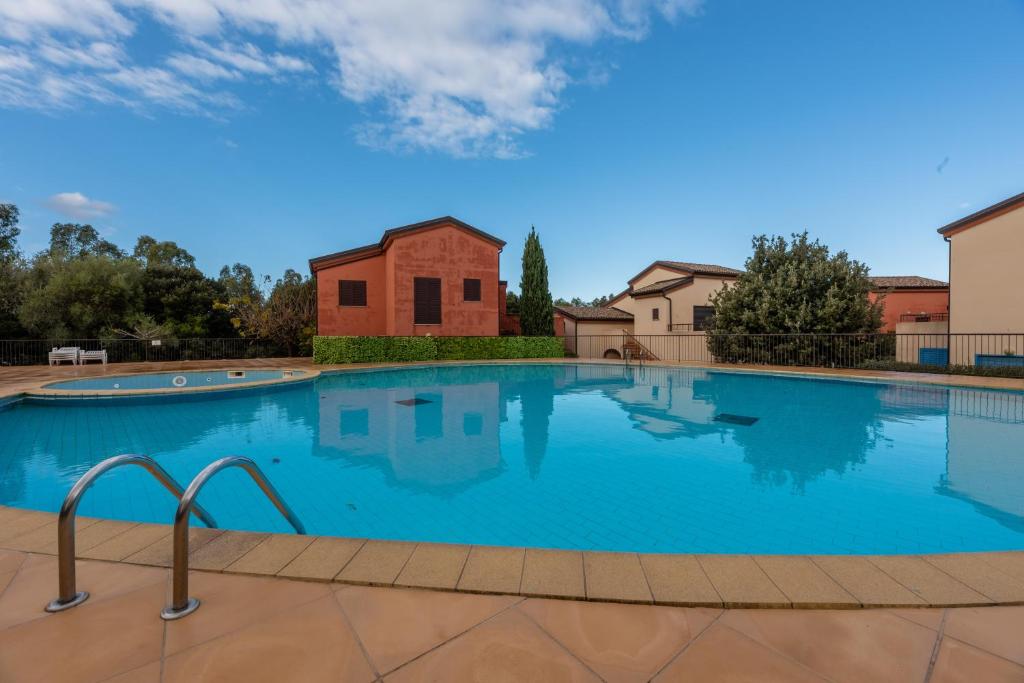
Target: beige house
985, 310
665, 298
986, 258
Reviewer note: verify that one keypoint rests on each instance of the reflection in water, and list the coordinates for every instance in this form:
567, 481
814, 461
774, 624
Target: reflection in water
985, 463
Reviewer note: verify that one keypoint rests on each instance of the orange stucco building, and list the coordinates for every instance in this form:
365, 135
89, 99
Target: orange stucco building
438, 277
910, 298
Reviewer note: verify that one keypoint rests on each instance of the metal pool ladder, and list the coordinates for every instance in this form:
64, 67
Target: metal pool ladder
181, 604
68, 596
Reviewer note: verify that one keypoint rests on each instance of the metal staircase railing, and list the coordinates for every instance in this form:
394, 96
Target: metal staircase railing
68, 596
181, 604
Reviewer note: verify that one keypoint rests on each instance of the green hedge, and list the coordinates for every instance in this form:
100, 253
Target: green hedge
975, 370
394, 349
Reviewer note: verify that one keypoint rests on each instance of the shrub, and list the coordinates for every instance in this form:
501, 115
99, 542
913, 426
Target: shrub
397, 349
979, 371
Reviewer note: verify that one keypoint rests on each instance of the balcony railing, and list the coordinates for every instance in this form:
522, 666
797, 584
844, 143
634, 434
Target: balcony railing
923, 317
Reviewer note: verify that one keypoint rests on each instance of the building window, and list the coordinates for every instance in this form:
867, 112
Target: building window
702, 316
352, 292
427, 300
655, 314
471, 289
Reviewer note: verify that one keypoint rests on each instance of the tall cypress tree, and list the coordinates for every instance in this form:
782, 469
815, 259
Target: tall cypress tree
536, 315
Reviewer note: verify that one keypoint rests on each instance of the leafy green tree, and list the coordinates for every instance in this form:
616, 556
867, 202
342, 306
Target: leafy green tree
290, 313
9, 231
536, 314
176, 294
794, 288
71, 241
11, 273
511, 303
83, 297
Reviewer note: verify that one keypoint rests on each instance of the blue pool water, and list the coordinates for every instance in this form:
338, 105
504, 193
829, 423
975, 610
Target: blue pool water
567, 456
171, 380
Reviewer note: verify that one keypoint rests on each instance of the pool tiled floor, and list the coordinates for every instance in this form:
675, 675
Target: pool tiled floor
274, 629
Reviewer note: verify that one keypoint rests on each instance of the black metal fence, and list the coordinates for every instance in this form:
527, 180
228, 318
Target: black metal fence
36, 351
988, 353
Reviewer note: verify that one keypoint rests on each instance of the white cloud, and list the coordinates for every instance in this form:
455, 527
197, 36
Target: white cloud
76, 205
463, 77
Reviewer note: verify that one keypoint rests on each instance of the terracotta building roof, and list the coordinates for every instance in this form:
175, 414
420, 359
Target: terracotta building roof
983, 215
376, 248
662, 286
906, 282
702, 268
593, 313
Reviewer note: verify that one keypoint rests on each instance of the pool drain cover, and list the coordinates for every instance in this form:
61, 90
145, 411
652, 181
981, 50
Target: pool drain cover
412, 402
744, 420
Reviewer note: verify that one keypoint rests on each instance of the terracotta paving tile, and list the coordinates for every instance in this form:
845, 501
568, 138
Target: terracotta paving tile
149, 673
960, 663
842, 645
128, 543
320, 647
509, 647
10, 560
271, 555
679, 580
323, 558
377, 563
933, 585
1011, 564
231, 601
161, 553
553, 574
740, 582
91, 536
866, 582
5, 579
223, 550
615, 576
722, 654
434, 565
973, 571
91, 642
22, 523
927, 617
35, 585
44, 538
619, 642
804, 583
997, 630
397, 625
493, 570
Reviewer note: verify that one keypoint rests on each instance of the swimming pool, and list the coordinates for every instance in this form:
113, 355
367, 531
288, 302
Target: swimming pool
599, 457
172, 380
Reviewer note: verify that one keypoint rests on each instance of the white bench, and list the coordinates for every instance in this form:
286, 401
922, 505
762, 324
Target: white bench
100, 355
58, 356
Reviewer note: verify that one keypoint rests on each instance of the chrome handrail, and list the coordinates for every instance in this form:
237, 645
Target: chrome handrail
68, 597
181, 604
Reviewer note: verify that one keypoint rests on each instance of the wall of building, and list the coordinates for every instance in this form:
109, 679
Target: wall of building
334, 319
451, 254
985, 276
900, 301
697, 293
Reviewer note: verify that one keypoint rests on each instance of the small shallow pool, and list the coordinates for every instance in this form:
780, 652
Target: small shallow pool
598, 457
173, 380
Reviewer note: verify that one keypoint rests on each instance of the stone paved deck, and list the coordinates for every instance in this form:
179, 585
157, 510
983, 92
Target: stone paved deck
273, 629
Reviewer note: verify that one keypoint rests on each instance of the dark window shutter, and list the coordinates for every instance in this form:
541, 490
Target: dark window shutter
655, 314
352, 292
471, 289
427, 300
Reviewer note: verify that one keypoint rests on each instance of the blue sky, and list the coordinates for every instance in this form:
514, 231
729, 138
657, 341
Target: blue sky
625, 131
